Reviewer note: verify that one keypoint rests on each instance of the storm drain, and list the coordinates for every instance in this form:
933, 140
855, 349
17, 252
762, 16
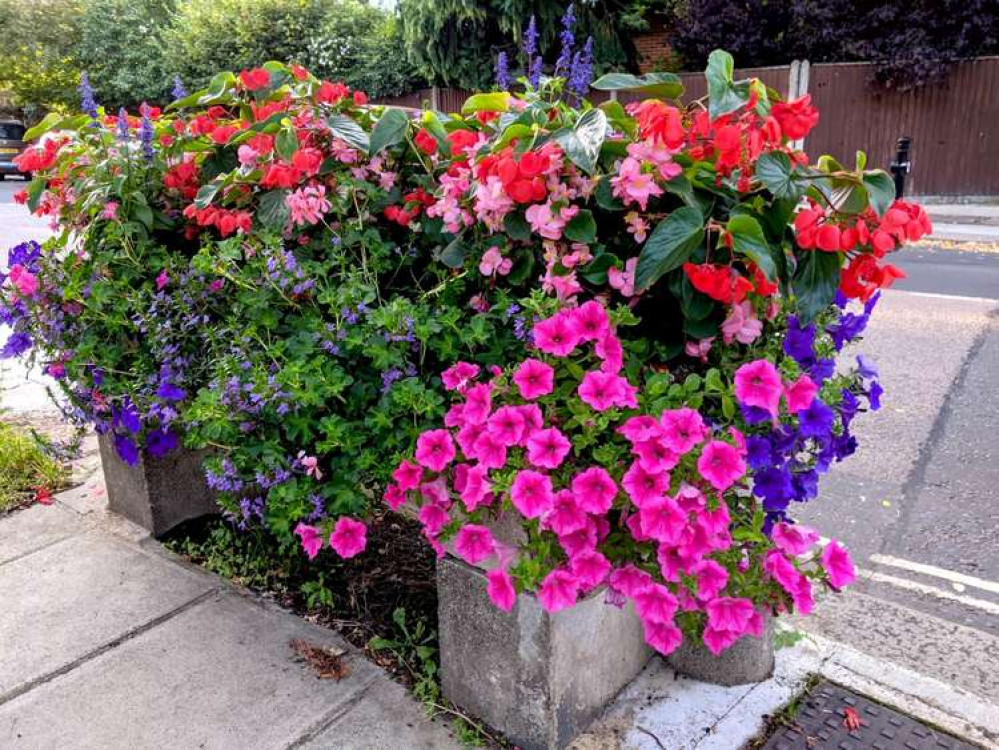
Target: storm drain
833, 718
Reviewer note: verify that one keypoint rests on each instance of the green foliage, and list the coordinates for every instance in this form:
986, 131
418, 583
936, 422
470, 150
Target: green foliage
24, 468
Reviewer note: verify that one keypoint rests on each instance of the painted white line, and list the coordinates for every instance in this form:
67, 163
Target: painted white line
922, 588
960, 579
936, 295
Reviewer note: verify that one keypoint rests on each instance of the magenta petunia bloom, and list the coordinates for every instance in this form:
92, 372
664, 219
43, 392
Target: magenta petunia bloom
711, 578
611, 353
800, 394
782, 570
546, 449
655, 457
556, 335
433, 517
501, 590
394, 497
408, 476
531, 493
719, 640
349, 537
565, 517
758, 384
507, 426
641, 429
312, 540
663, 637
589, 321
457, 377
794, 539
435, 449
683, 429
489, 451
721, 465
478, 404
729, 613
836, 560
602, 390
590, 568
663, 520
534, 379
474, 543
558, 591
629, 580
655, 603
594, 489
643, 486
475, 489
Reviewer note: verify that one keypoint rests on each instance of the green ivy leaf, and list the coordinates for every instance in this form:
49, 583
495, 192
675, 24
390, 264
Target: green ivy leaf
581, 228
775, 171
669, 245
815, 282
661, 85
748, 239
880, 190
349, 131
389, 131
724, 95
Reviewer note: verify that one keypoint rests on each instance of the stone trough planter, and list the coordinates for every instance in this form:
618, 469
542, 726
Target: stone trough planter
538, 678
159, 493
748, 660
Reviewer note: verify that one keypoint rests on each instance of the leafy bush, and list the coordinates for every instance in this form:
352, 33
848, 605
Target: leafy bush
283, 273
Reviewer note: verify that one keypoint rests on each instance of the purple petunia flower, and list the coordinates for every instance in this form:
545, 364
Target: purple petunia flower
160, 442
18, 343
170, 392
126, 449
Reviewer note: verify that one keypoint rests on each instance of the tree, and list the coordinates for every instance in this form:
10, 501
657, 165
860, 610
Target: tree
456, 42
38, 60
124, 75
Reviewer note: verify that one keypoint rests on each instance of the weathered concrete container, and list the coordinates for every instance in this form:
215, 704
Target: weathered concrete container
538, 678
158, 493
748, 660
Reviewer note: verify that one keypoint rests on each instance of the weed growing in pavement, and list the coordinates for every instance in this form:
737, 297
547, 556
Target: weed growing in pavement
27, 472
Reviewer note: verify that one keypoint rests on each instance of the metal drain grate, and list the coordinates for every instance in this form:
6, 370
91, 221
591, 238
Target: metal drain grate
821, 724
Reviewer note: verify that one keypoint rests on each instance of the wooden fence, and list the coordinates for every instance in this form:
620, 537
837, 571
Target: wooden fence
954, 127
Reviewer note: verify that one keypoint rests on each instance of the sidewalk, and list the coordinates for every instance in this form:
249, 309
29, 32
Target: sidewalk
108, 641
964, 222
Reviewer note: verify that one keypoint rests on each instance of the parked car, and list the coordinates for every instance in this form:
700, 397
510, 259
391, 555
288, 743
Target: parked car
11, 144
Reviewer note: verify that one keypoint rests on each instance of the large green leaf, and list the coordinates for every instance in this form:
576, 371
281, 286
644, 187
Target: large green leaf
880, 190
497, 101
453, 256
273, 212
662, 85
389, 130
724, 95
776, 172
748, 239
206, 194
349, 131
286, 143
669, 245
815, 282
581, 228
582, 143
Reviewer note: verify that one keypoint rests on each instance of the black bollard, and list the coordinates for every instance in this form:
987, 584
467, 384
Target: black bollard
901, 166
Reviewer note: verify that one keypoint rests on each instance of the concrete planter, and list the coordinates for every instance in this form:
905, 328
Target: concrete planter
538, 678
748, 660
158, 493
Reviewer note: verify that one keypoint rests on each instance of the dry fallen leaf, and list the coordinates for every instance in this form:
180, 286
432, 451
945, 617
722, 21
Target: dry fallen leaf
325, 660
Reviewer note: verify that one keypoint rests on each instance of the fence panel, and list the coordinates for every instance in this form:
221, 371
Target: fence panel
954, 127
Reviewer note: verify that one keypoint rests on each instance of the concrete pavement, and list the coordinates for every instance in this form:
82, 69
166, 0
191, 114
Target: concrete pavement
976, 222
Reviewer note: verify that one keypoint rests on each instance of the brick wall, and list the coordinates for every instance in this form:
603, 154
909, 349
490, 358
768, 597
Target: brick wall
653, 48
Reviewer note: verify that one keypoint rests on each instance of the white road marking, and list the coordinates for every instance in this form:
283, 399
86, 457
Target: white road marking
936, 295
960, 579
922, 588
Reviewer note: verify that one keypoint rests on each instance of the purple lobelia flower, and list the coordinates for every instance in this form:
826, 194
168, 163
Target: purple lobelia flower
581, 73
503, 80
568, 39
147, 134
87, 102
179, 92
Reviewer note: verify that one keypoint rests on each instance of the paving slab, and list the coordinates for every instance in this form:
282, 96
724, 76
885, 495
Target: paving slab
25, 531
78, 596
219, 675
363, 726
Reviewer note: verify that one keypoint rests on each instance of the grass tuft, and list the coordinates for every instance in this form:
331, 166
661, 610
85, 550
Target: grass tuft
25, 469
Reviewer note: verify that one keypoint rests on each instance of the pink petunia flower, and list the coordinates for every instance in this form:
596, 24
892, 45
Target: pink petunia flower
312, 540
611, 353
546, 449
800, 394
558, 591
489, 451
589, 321
408, 476
565, 516
435, 449
642, 486
758, 384
836, 560
729, 613
500, 589
782, 570
534, 379
531, 493
506, 426
655, 603
718, 640
662, 520
683, 429
721, 465
25, 281
602, 391
654, 457
475, 488
794, 539
590, 568
457, 377
394, 497
474, 543
640, 429
556, 335
349, 537
629, 580
711, 578
478, 403
594, 490
663, 637
434, 517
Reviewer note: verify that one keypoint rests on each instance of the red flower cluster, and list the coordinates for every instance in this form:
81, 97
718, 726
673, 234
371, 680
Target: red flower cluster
720, 282
39, 157
661, 122
227, 221
901, 223
863, 276
184, 179
413, 205
255, 79
523, 178
796, 118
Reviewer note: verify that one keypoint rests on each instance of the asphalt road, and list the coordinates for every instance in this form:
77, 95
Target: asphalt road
919, 503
